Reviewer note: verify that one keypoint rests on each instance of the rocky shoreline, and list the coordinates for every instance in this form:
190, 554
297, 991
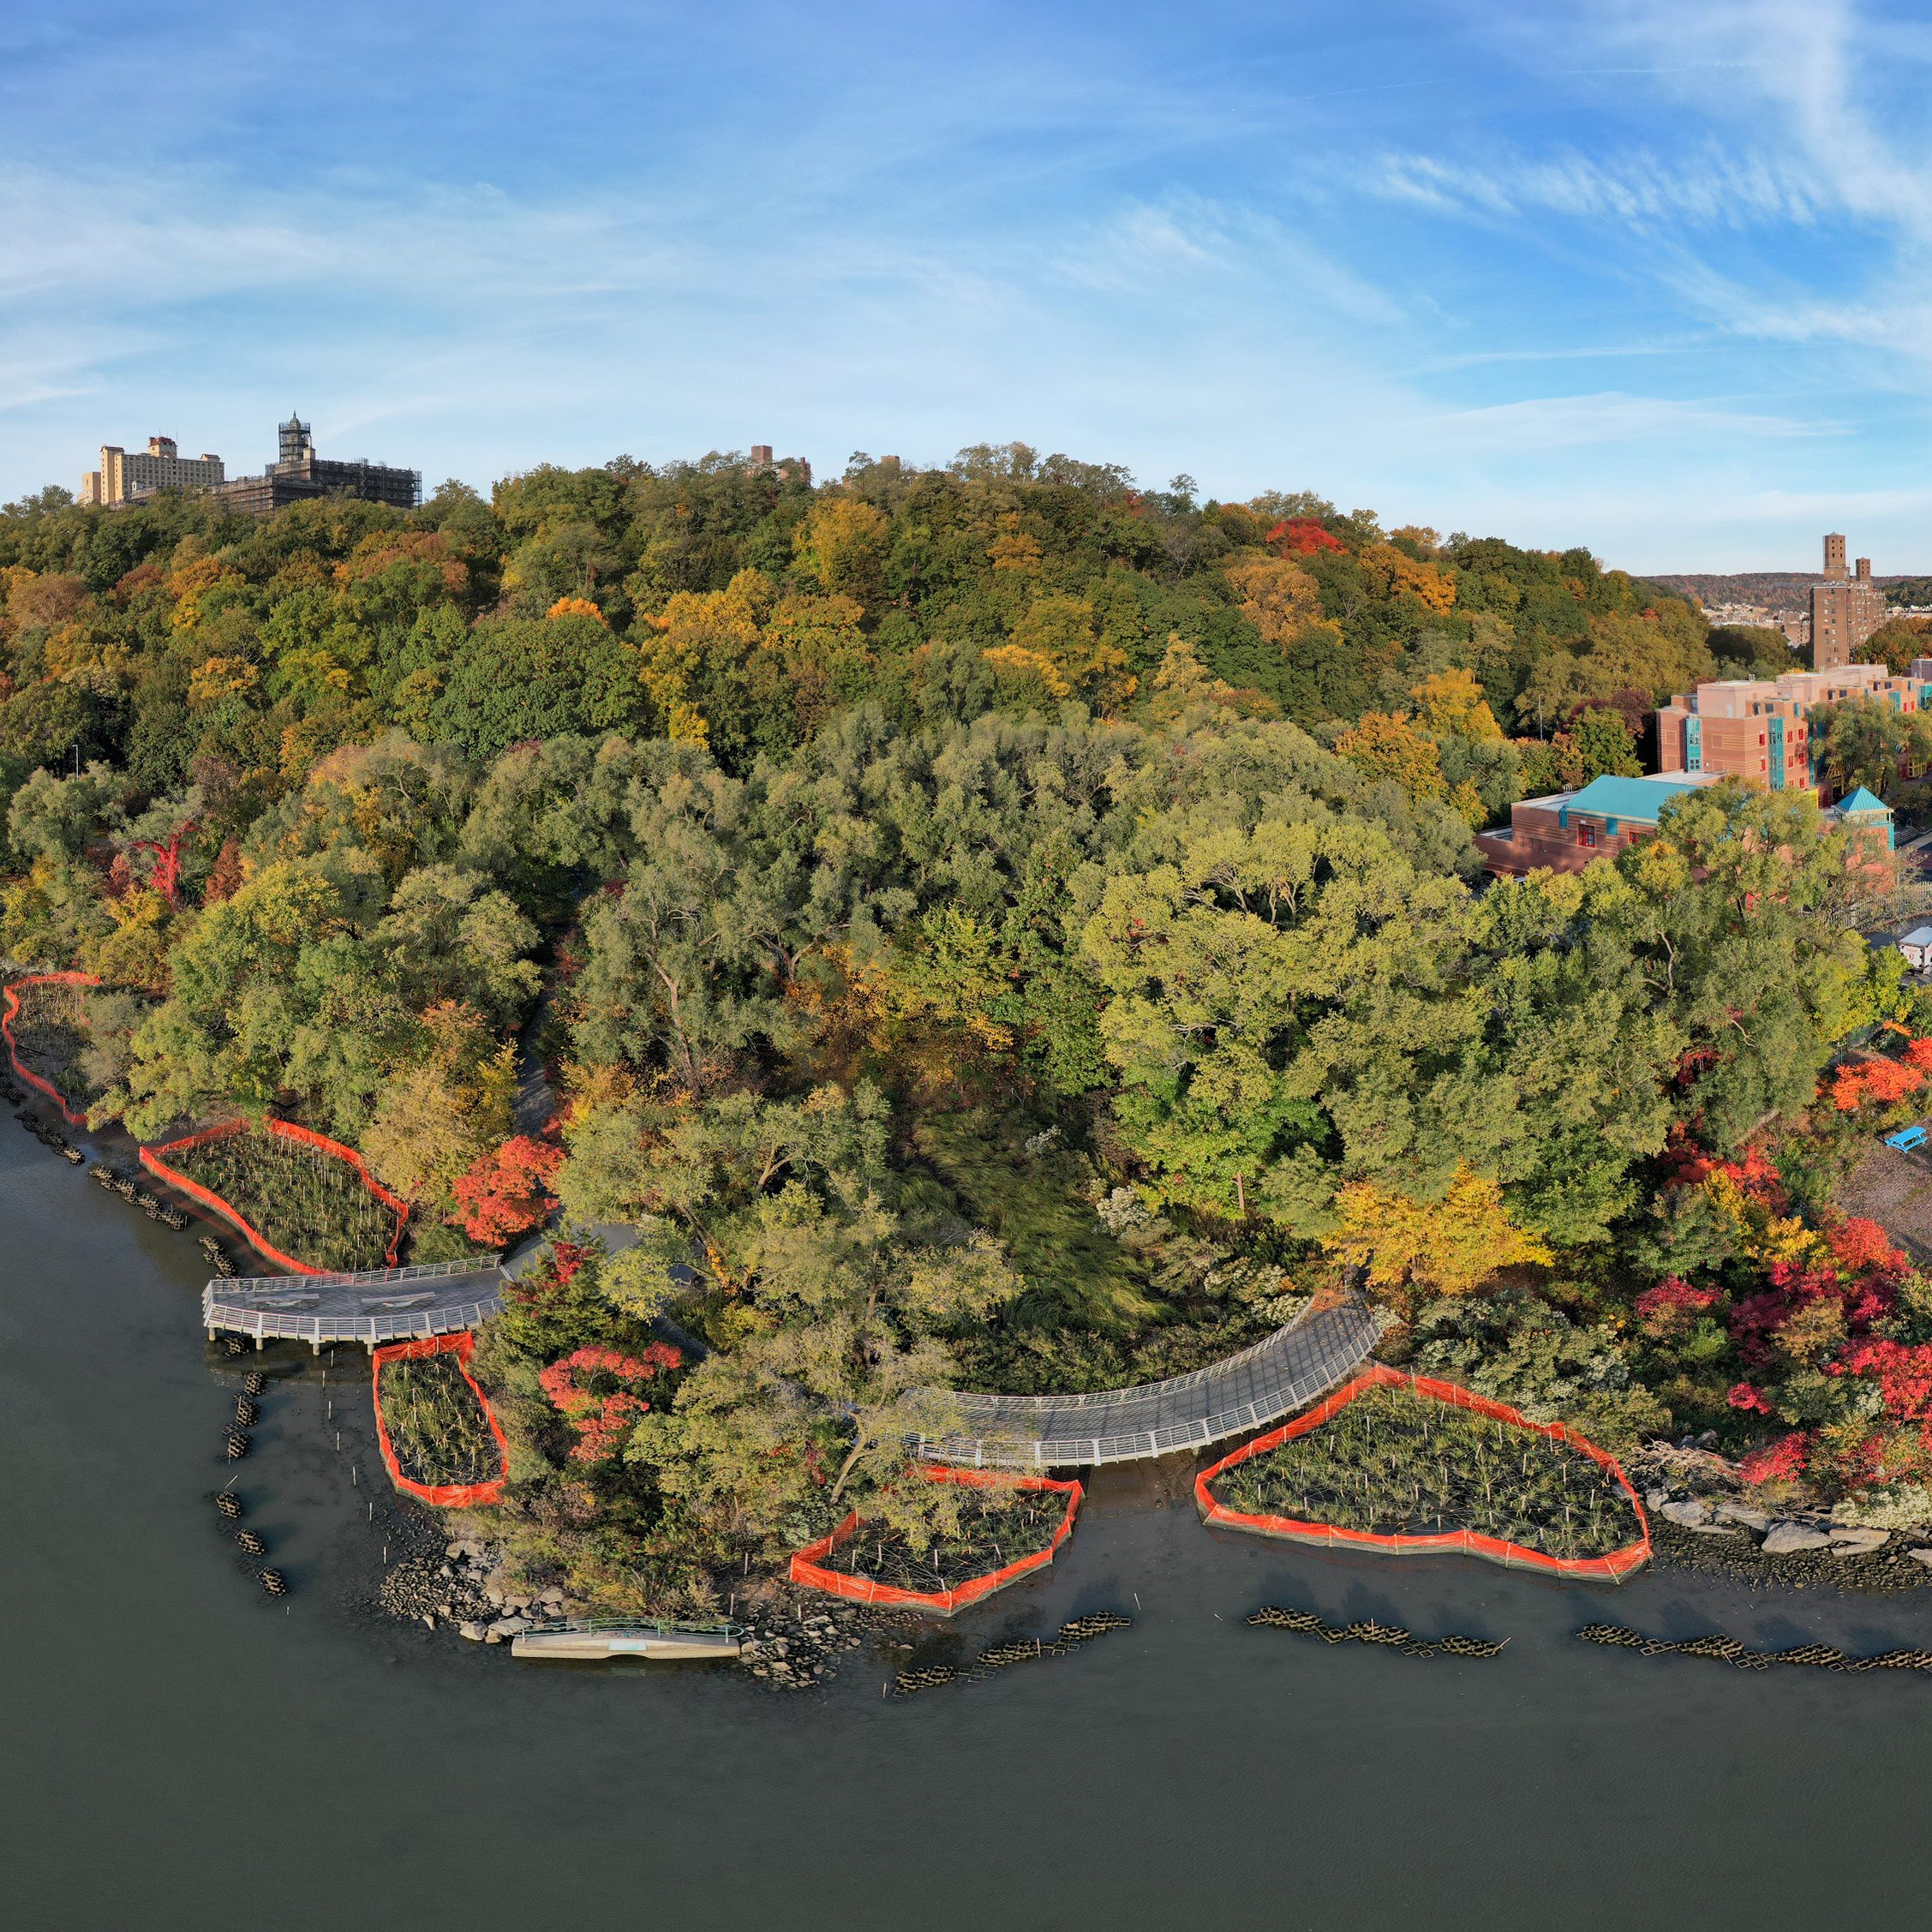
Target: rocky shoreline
1703, 1518
791, 1642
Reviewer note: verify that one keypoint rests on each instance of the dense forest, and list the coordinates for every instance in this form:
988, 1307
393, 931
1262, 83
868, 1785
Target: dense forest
995, 927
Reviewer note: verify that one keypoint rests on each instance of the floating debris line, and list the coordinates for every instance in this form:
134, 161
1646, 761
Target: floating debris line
1728, 1650
1306, 1622
1018, 1650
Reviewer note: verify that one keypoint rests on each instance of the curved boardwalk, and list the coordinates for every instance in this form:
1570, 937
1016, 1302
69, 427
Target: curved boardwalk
1248, 1390
382, 1304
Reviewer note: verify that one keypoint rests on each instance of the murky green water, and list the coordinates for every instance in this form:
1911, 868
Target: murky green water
182, 1752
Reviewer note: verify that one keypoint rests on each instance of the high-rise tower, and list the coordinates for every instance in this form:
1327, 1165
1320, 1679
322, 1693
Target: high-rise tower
1845, 609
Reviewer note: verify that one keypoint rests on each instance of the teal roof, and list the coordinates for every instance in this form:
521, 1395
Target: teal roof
1862, 800
1638, 798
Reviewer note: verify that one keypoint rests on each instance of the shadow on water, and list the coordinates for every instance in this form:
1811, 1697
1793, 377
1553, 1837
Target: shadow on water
177, 1741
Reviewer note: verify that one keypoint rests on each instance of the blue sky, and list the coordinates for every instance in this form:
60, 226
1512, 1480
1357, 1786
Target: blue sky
1651, 278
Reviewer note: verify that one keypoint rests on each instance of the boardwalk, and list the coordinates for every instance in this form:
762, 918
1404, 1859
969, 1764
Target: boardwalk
1248, 1390
384, 1305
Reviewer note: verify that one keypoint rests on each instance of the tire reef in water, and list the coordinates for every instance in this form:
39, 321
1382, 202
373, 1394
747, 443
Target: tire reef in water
1306, 1622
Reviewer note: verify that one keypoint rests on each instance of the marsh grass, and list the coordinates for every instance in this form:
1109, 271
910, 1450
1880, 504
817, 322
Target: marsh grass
1400, 1464
436, 1425
50, 1034
996, 1526
309, 1204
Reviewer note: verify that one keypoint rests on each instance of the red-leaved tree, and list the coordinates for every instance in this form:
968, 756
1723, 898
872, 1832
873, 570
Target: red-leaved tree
507, 1192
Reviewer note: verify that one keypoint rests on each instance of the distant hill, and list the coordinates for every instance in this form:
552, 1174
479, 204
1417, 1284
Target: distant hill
1770, 590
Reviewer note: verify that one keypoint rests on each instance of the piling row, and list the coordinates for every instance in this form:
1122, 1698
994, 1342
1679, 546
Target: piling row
997, 1656
1306, 1622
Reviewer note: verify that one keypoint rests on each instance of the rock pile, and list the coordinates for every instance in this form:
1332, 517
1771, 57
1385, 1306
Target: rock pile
789, 1653
1702, 1517
468, 1585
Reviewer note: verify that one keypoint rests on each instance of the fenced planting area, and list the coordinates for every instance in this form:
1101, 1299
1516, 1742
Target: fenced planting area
47, 1026
1005, 1527
438, 1439
1399, 1463
301, 1200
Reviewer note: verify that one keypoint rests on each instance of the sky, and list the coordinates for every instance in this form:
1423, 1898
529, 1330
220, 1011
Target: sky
1650, 278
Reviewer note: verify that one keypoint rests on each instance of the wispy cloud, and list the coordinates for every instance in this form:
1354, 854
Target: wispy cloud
1639, 190
1651, 422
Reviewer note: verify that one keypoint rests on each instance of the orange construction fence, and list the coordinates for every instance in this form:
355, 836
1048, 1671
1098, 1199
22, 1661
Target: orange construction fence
444, 1495
11, 1002
1612, 1568
286, 1130
806, 1569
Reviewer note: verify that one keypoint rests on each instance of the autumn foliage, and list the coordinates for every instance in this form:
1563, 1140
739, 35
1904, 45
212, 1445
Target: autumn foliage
507, 1192
1302, 536
596, 1392
1882, 1081
1447, 1245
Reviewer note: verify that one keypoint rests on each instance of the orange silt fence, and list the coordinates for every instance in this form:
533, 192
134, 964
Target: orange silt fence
153, 1158
1611, 1568
444, 1495
10, 1001
808, 1570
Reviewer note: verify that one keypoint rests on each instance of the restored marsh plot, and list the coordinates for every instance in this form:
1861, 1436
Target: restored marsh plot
438, 1428
50, 1034
1391, 1463
997, 1528
984, 1531
310, 1204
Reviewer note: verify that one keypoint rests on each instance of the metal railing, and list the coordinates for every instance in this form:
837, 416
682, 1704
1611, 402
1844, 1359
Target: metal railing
1248, 1390
284, 1307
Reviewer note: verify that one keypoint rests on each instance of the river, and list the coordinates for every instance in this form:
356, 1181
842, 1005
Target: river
182, 1751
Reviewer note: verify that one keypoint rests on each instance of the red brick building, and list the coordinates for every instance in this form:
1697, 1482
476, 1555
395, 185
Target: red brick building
1565, 831
1759, 728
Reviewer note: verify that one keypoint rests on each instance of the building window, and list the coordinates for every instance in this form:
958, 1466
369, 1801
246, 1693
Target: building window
1586, 834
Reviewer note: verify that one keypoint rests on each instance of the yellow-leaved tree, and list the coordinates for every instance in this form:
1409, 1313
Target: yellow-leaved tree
1445, 1246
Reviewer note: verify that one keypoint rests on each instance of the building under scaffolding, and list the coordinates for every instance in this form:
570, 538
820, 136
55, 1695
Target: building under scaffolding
300, 476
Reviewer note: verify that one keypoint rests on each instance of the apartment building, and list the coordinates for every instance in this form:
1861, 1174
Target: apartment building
1847, 607
127, 475
1759, 728
1565, 831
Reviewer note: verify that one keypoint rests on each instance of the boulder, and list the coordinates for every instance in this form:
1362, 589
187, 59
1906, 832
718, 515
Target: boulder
1859, 1542
1789, 1539
1691, 1515
475, 1632
1741, 1513
1921, 1556
504, 1628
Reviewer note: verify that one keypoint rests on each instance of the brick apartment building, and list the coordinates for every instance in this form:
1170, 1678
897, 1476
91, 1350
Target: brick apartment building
1759, 728
1845, 608
1564, 832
